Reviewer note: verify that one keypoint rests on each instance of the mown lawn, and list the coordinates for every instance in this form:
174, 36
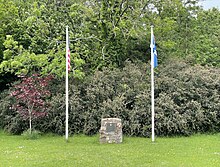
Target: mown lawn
83, 151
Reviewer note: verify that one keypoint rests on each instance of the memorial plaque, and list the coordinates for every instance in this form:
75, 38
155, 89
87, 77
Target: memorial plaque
111, 130
110, 127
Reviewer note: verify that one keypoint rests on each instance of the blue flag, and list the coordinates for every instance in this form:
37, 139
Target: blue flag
154, 51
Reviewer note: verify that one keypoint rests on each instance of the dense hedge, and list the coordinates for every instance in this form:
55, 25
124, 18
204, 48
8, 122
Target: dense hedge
187, 100
9, 119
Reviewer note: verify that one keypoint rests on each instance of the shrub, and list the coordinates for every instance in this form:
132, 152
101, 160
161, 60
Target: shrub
187, 100
31, 135
10, 120
4, 107
113, 93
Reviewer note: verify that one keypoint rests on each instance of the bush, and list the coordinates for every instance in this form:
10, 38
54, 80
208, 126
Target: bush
31, 135
10, 120
114, 93
4, 108
187, 101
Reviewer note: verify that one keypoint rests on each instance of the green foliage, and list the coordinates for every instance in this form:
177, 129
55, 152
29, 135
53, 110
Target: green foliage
104, 35
10, 120
112, 93
4, 108
206, 47
187, 101
54, 122
32, 47
31, 135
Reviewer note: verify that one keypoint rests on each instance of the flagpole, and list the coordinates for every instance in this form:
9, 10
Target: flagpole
152, 86
67, 96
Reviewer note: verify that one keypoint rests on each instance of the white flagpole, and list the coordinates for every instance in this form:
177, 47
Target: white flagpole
67, 96
152, 85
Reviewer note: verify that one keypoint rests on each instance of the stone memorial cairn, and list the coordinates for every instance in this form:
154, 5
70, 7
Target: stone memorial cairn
111, 130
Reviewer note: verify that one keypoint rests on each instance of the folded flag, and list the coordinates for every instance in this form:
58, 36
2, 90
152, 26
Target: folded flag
68, 57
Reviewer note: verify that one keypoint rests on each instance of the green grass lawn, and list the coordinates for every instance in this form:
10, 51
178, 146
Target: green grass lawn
83, 151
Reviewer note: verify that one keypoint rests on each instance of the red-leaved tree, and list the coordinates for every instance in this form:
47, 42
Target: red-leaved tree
31, 96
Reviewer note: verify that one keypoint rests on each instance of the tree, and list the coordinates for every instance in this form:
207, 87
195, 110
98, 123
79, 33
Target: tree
35, 40
31, 97
206, 42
